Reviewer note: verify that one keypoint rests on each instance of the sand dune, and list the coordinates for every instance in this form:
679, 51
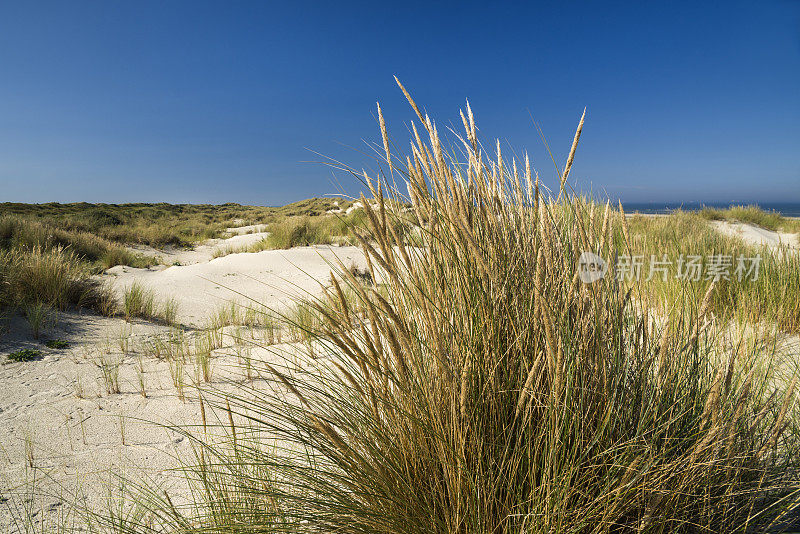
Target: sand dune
205, 251
755, 235
270, 278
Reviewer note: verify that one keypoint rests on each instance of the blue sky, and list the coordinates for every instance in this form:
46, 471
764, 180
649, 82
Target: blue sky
221, 101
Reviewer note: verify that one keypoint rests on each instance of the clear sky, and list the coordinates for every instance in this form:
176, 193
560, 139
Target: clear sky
217, 102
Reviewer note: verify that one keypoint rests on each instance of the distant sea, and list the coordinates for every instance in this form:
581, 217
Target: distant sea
787, 209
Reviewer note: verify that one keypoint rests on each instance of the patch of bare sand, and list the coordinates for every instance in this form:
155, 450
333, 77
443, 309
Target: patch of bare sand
270, 278
755, 235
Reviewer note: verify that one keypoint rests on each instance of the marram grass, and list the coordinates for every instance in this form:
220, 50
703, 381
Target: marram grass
484, 389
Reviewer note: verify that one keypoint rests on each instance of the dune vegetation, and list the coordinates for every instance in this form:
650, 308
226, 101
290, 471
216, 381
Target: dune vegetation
46, 266
484, 388
336, 229
770, 293
20, 233
160, 225
55, 278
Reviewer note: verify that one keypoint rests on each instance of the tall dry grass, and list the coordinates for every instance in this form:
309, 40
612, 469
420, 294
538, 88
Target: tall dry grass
55, 277
486, 389
20, 233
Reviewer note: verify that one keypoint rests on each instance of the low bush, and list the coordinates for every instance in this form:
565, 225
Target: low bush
57, 344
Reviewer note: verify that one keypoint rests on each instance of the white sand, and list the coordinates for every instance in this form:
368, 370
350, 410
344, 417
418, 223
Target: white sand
70, 440
269, 278
251, 229
755, 235
81, 445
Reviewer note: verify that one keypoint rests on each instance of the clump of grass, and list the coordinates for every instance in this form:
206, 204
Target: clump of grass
230, 313
109, 373
176, 367
124, 339
177, 347
138, 302
204, 344
157, 346
25, 355
118, 255
288, 232
141, 302
169, 311
291, 232
39, 316
305, 322
54, 277
141, 379
80, 391
225, 251
29, 450
57, 344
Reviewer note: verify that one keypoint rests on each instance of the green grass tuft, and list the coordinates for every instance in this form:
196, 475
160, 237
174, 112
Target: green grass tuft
25, 355
57, 344
141, 302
